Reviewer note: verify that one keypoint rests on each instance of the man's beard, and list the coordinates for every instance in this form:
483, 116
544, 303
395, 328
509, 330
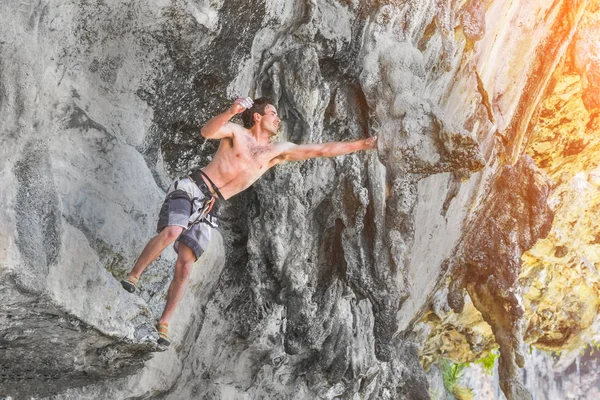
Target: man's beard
274, 132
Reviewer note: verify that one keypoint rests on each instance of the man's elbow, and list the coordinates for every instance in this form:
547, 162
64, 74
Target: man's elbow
319, 153
208, 133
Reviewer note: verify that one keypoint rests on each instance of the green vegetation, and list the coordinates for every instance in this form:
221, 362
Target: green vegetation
453, 372
488, 362
434, 394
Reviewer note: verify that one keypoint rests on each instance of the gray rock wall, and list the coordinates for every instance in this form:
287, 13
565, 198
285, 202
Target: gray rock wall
324, 265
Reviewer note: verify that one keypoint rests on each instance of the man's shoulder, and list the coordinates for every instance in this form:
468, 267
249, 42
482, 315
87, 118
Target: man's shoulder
283, 146
281, 149
237, 129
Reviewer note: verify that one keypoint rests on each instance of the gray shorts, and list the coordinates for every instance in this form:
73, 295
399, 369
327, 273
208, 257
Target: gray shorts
183, 199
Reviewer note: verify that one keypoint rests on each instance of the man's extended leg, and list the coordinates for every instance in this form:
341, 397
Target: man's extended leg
153, 249
183, 268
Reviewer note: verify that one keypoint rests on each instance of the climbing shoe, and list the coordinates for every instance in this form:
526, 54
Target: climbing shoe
130, 284
163, 331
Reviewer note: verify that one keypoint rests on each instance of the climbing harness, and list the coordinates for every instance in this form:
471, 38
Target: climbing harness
196, 177
202, 212
204, 205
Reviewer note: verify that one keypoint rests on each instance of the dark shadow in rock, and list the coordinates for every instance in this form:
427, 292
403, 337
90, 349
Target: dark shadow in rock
38, 214
44, 351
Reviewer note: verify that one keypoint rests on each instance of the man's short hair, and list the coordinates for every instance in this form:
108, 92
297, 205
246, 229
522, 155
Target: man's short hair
258, 107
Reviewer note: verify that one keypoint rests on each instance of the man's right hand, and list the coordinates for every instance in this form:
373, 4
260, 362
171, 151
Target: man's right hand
240, 104
371, 143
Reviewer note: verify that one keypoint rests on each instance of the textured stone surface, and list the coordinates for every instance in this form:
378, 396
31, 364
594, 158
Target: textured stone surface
547, 376
559, 274
324, 266
514, 217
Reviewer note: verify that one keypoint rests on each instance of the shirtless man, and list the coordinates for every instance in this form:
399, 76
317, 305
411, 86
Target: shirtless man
187, 216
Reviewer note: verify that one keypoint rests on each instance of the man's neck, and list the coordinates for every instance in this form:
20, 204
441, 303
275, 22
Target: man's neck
262, 137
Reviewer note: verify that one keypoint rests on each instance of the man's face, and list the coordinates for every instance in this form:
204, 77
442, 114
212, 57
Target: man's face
270, 120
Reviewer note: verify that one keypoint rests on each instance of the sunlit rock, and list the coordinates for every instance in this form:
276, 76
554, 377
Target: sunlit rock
561, 277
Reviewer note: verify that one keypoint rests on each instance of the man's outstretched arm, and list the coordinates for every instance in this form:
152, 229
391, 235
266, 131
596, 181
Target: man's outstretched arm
219, 127
301, 152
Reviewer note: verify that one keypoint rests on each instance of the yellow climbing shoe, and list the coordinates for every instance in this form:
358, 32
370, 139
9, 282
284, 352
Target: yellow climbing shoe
130, 284
163, 332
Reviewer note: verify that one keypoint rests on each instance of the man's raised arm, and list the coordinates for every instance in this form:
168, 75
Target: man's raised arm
219, 127
292, 152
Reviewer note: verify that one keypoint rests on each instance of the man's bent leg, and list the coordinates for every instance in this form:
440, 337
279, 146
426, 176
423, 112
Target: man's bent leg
154, 248
183, 268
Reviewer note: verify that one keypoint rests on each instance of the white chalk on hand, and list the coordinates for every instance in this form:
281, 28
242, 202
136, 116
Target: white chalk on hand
246, 102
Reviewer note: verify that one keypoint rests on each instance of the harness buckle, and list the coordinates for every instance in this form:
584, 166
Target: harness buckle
202, 213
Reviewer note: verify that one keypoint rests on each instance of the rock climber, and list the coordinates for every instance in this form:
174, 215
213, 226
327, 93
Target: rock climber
189, 211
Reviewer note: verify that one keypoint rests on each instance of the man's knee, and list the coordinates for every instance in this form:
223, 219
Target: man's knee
170, 233
183, 269
185, 261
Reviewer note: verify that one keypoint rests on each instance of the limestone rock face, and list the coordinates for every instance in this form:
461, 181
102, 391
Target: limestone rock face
557, 280
572, 375
561, 274
516, 213
322, 268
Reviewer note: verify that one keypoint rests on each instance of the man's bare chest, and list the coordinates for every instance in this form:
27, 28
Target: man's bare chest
255, 151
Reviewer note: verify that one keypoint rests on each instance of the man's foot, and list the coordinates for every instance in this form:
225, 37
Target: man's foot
163, 331
130, 284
